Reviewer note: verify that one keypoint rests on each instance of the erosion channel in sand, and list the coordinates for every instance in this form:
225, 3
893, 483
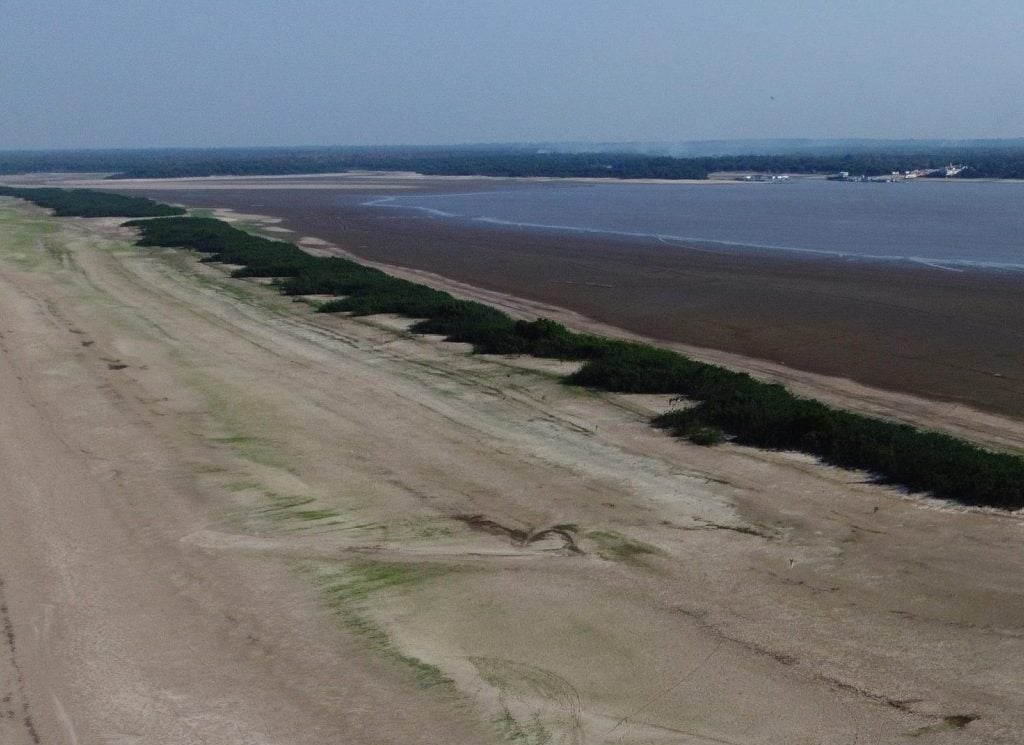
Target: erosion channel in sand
229, 519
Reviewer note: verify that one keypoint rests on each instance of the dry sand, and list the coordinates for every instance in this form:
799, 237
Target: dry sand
229, 520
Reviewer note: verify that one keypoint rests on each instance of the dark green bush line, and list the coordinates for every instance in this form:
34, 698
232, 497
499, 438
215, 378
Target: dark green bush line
899, 454
88, 203
729, 403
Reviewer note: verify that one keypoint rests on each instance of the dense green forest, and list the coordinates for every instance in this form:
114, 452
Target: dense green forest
982, 162
88, 203
730, 405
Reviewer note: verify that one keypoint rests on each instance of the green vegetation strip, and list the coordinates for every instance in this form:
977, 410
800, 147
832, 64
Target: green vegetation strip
88, 203
348, 592
729, 405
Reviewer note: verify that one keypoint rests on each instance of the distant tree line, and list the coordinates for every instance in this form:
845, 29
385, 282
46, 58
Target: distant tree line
982, 162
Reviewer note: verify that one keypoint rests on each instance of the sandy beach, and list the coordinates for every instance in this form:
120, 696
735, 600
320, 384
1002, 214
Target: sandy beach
551, 373
954, 337
270, 525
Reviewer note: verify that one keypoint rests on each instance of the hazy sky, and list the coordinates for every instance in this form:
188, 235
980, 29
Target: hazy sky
95, 73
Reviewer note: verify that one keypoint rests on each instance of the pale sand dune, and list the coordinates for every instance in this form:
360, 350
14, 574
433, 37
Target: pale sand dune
227, 518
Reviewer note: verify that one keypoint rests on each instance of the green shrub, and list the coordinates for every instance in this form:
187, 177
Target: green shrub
89, 203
